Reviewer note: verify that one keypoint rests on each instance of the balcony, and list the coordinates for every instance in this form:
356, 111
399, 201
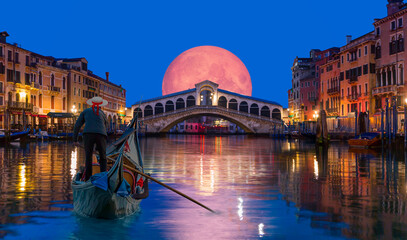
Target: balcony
334, 90
54, 89
20, 106
333, 110
384, 90
353, 79
353, 97
35, 85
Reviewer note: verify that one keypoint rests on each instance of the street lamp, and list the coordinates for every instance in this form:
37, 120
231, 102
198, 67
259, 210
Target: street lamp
74, 110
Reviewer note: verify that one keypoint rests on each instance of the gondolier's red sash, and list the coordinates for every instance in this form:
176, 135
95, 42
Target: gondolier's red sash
97, 107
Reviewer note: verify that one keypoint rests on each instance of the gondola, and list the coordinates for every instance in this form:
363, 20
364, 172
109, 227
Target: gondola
13, 136
365, 140
118, 192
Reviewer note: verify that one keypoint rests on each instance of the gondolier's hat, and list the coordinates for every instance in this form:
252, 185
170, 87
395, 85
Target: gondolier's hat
96, 102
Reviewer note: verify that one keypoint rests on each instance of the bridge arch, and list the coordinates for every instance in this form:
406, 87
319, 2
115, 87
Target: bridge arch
243, 107
148, 111
190, 101
254, 109
233, 104
138, 111
158, 108
265, 111
276, 114
170, 125
180, 103
222, 102
169, 106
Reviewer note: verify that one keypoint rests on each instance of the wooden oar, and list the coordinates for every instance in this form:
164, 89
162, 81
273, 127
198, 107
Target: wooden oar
163, 184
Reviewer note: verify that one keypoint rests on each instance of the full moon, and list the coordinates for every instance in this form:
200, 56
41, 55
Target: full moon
207, 63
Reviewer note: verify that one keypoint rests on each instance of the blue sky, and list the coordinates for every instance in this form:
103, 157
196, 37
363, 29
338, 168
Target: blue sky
137, 40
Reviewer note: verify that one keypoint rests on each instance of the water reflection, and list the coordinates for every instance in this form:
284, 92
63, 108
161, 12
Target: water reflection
260, 188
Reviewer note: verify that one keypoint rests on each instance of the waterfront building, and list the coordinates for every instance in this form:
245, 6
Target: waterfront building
303, 74
357, 74
306, 78
322, 70
330, 86
390, 55
32, 86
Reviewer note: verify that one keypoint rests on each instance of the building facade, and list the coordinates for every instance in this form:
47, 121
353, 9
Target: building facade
32, 86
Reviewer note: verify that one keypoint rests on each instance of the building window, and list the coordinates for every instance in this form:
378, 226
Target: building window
27, 60
63, 103
52, 80
40, 78
79, 79
365, 50
63, 82
342, 59
360, 52
17, 57
10, 56
377, 31
52, 102
40, 100
393, 25
366, 109
79, 92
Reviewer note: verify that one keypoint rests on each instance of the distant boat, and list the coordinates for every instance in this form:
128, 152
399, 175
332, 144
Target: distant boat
13, 136
119, 191
365, 140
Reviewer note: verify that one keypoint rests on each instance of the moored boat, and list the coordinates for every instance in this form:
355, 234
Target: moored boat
365, 140
13, 136
119, 191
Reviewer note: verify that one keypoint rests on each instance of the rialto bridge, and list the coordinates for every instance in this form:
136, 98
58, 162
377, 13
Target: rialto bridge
206, 99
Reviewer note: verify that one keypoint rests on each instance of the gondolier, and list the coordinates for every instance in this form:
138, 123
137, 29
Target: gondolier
94, 133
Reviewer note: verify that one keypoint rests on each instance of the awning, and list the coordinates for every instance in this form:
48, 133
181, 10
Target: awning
60, 115
42, 116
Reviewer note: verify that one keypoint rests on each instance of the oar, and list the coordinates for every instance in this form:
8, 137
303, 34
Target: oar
164, 185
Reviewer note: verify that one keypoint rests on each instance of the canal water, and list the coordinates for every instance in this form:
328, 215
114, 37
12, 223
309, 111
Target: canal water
260, 188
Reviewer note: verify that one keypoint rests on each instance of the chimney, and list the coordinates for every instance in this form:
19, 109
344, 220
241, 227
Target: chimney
107, 76
348, 39
394, 6
3, 36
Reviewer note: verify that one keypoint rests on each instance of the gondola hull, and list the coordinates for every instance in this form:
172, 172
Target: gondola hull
91, 201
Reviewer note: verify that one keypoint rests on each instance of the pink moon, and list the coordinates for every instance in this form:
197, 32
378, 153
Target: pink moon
207, 63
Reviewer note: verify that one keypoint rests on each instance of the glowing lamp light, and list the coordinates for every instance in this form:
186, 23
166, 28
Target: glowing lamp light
74, 110
405, 100
22, 94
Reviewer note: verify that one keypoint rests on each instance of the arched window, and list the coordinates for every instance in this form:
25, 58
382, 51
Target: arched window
206, 98
401, 81
400, 43
169, 106
40, 78
233, 104
222, 102
378, 79
244, 107
394, 76
190, 101
254, 109
384, 82
378, 51
180, 103
148, 111
138, 112
52, 80
265, 111
159, 108
388, 76
276, 113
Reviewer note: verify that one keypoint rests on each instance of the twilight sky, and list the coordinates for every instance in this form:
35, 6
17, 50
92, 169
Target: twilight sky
137, 40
